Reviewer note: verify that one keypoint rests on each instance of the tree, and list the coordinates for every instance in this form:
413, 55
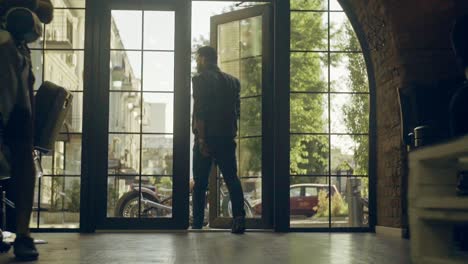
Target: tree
357, 111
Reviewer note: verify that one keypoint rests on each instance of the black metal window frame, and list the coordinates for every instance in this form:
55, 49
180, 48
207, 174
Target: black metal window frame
43, 49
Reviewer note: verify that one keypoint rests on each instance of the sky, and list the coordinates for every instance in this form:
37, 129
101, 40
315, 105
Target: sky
158, 66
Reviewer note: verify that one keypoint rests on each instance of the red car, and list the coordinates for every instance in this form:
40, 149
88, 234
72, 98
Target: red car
303, 198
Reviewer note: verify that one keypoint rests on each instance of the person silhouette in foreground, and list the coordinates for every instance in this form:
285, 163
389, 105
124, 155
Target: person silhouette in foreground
215, 114
20, 24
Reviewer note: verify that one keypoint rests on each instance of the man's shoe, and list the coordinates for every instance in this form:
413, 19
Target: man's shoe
238, 225
24, 249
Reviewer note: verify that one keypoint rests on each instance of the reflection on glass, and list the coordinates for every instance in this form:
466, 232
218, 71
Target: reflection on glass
59, 158
122, 196
64, 68
309, 31
342, 35
309, 72
309, 5
124, 154
228, 42
251, 76
350, 113
349, 74
251, 117
66, 31
350, 155
157, 197
126, 29
125, 70
36, 62
309, 113
309, 155
125, 112
351, 207
158, 112
251, 37
158, 71
250, 157
157, 155
308, 201
159, 30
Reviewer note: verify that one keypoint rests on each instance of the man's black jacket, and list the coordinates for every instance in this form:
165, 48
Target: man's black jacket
216, 102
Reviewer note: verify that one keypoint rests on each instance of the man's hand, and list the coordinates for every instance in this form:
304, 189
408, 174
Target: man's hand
204, 148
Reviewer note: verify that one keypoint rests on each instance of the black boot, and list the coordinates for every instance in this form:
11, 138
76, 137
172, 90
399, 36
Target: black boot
24, 249
238, 225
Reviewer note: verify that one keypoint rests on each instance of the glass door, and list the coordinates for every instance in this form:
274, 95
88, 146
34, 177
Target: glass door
242, 39
147, 65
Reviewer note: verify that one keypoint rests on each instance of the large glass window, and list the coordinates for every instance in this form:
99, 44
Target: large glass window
141, 114
58, 56
329, 127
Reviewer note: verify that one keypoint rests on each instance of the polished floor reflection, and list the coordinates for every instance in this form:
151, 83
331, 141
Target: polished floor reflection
220, 247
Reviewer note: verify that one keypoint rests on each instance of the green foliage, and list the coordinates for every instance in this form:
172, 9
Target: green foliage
73, 196
338, 206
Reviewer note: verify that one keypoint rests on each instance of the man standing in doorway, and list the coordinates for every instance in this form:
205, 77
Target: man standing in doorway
215, 114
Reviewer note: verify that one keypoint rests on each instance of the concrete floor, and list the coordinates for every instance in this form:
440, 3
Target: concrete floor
220, 248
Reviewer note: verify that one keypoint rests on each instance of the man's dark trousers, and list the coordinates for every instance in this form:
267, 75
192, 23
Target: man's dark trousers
223, 154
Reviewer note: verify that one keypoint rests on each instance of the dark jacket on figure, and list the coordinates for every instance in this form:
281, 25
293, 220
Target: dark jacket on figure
216, 98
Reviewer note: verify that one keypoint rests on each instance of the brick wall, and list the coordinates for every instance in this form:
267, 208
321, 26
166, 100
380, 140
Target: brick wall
409, 43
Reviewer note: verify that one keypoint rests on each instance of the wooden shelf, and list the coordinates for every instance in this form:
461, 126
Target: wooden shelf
442, 215
440, 260
457, 148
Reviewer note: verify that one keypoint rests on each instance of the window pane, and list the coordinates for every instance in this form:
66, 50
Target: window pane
309, 113
122, 196
350, 113
309, 31
125, 70
349, 73
66, 31
342, 35
251, 37
251, 76
59, 158
231, 67
69, 3
64, 68
126, 29
228, 42
158, 112
157, 155
252, 188
158, 71
159, 30
124, 154
162, 197
309, 4
37, 60
308, 202
335, 6
309, 155
309, 72
250, 157
350, 206
251, 117
73, 155
124, 112
74, 119
350, 155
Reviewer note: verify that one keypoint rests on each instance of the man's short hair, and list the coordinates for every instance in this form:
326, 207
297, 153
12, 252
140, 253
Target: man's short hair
209, 53
460, 39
